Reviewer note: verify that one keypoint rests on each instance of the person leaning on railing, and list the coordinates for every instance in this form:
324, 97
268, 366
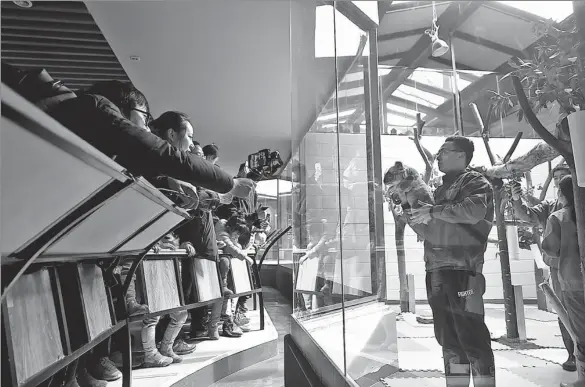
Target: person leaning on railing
199, 239
228, 233
102, 117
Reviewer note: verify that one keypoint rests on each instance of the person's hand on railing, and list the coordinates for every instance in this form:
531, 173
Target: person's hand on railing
189, 247
244, 257
310, 254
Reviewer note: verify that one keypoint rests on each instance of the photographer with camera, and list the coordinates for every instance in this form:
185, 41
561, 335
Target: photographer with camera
260, 165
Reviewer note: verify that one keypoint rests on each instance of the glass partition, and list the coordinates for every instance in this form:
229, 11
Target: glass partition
367, 96
333, 235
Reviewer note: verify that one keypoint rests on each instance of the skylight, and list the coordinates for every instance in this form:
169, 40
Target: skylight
395, 120
332, 116
342, 39
556, 10
432, 99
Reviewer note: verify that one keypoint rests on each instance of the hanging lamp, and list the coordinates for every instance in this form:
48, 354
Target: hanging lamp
440, 47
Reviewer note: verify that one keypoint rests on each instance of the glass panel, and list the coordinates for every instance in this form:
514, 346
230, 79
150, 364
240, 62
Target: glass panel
285, 218
314, 172
366, 349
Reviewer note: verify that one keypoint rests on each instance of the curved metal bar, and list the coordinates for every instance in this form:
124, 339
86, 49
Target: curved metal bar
280, 235
141, 257
64, 226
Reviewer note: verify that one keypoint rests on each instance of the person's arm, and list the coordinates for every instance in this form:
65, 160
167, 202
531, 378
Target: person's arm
551, 240
536, 215
144, 153
473, 208
230, 247
211, 200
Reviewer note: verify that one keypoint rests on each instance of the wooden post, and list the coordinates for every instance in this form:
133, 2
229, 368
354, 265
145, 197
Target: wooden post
521, 320
411, 294
509, 298
399, 226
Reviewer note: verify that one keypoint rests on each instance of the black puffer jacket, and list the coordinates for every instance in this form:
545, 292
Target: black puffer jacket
99, 122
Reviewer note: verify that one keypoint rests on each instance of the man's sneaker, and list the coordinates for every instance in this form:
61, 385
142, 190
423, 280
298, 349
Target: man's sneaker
182, 348
229, 329
240, 320
135, 308
570, 364
206, 334
137, 359
167, 350
104, 369
84, 379
155, 359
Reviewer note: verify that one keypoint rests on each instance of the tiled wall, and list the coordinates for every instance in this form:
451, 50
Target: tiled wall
354, 216
322, 148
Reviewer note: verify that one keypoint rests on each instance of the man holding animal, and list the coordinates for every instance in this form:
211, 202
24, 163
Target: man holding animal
455, 231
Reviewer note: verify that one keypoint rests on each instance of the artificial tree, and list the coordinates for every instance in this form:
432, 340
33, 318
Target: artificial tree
399, 219
554, 75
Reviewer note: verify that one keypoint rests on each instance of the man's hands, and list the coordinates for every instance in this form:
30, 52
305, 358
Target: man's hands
225, 198
421, 215
310, 254
242, 187
186, 189
244, 257
189, 247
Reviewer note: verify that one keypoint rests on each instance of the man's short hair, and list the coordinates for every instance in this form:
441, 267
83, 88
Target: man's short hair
463, 144
211, 150
122, 94
170, 120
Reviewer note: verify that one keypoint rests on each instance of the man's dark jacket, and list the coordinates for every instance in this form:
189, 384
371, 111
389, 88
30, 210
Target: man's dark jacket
99, 122
462, 218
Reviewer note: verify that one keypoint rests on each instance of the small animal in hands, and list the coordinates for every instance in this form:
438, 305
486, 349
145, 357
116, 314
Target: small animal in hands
408, 185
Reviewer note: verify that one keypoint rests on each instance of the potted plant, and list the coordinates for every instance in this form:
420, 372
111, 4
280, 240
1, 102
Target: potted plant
554, 75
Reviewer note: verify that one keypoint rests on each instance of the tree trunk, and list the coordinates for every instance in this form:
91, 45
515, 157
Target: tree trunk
399, 227
509, 298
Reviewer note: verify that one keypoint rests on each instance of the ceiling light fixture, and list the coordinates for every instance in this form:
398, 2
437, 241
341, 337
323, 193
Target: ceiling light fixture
24, 4
440, 47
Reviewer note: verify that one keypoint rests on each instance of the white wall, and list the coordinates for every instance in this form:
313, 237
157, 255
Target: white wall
322, 148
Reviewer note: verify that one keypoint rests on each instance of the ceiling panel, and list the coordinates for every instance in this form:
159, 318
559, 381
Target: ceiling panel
397, 46
478, 57
495, 26
61, 37
405, 19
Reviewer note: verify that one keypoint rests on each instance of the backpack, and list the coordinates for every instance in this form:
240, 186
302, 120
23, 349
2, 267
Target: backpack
37, 86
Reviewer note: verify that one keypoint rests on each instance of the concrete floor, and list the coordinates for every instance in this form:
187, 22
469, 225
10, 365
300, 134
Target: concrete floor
269, 373
536, 365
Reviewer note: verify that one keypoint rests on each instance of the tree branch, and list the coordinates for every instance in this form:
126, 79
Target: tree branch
423, 152
546, 183
547, 136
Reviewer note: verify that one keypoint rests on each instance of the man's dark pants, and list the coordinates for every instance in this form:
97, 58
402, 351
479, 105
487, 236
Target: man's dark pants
455, 297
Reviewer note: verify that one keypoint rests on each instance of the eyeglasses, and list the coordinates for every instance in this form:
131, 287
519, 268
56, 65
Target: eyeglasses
444, 150
148, 116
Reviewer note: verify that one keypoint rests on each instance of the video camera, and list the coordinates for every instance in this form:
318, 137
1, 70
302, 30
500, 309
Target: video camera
263, 164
